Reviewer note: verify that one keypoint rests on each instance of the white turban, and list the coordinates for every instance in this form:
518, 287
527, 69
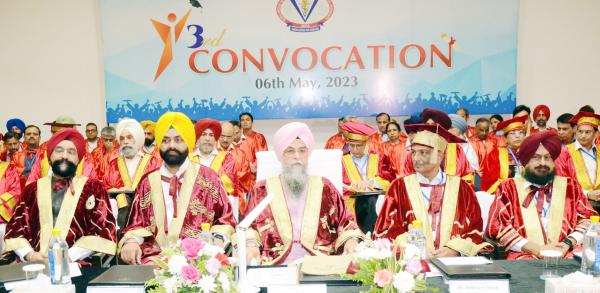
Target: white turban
135, 128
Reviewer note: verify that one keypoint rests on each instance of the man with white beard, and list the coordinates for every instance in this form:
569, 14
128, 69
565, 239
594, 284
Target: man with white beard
123, 173
307, 216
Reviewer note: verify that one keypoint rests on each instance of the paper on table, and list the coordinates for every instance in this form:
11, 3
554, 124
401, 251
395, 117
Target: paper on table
465, 260
433, 272
316, 288
264, 277
478, 286
73, 270
323, 265
121, 289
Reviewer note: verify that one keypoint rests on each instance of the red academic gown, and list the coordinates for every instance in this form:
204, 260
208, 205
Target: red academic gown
536, 130
84, 220
397, 155
483, 148
496, 169
253, 143
336, 141
201, 198
459, 224
10, 191
455, 163
326, 224
116, 175
101, 158
509, 221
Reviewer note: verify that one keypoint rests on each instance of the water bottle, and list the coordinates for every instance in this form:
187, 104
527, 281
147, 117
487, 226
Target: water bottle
590, 255
417, 238
205, 235
58, 259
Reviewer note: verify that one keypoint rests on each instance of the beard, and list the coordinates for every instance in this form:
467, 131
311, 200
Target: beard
173, 157
541, 122
206, 149
64, 168
540, 175
127, 151
295, 178
148, 142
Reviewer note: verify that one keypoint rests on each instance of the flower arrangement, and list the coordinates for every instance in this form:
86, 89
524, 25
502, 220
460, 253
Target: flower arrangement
385, 267
192, 265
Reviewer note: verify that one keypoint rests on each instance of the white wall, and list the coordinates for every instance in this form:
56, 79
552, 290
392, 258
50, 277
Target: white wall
50, 60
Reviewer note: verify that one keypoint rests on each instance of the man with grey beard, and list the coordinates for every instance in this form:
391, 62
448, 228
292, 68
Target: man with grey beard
307, 216
123, 173
540, 211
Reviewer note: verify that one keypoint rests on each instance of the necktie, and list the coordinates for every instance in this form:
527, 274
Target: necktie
173, 189
62, 183
544, 195
435, 204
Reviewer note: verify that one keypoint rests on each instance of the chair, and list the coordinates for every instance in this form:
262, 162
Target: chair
324, 163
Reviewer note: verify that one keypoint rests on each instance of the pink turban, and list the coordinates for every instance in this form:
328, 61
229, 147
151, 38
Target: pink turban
288, 133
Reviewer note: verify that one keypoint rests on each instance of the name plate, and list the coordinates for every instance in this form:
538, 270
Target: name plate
316, 288
478, 286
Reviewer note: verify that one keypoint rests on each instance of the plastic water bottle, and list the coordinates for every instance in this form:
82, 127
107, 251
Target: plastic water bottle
417, 238
590, 255
205, 235
58, 259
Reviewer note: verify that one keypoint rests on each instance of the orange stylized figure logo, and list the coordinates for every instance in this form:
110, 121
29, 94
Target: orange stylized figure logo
164, 31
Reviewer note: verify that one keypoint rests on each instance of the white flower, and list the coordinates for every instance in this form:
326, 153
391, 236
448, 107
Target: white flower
224, 282
176, 262
404, 282
411, 251
212, 250
171, 284
207, 283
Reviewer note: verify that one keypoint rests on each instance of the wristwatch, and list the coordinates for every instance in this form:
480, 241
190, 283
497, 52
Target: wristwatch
568, 242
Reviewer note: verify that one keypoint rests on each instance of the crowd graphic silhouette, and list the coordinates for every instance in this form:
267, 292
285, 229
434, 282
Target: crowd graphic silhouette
320, 107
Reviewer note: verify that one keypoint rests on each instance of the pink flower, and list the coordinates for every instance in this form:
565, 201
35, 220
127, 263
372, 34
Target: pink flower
383, 278
191, 247
190, 273
414, 266
213, 265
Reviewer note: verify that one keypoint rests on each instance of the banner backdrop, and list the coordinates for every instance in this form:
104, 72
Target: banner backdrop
307, 59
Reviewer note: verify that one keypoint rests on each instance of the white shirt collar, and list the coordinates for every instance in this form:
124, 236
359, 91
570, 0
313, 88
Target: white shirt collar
440, 178
165, 172
579, 146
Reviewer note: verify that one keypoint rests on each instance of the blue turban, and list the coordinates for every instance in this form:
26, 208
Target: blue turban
15, 122
458, 122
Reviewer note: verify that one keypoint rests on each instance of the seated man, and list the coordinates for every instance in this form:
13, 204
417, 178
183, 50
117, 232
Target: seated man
124, 173
308, 215
540, 211
445, 204
75, 205
171, 203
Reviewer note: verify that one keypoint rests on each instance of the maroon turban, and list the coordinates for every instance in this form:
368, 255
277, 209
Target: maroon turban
67, 134
213, 125
541, 108
548, 139
437, 116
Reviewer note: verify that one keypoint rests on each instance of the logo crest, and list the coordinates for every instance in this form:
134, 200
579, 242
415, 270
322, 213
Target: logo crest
304, 15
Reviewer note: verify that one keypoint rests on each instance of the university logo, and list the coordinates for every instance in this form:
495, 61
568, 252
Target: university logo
165, 32
304, 15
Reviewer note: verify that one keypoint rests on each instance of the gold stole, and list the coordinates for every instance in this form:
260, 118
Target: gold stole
139, 171
581, 171
67, 209
183, 200
6, 197
503, 160
531, 218
420, 209
355, 176
450, 167
216, 166
310, 220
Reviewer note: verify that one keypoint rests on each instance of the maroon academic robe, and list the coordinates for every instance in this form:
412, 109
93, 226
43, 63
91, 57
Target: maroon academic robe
84, 219
509, 221
326, 226
459, 224
201, 199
